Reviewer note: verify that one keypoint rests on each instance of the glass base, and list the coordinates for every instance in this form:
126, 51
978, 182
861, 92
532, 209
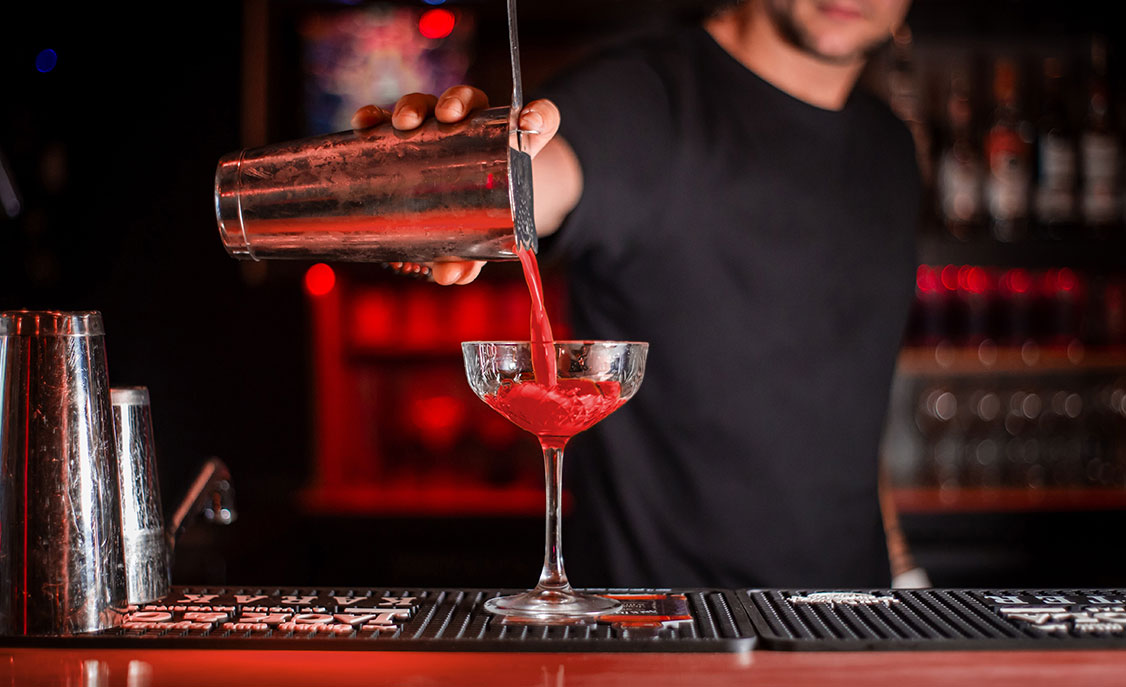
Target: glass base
549, 607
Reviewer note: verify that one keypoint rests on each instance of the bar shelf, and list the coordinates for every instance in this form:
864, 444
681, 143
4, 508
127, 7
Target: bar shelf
990, 359
935, 500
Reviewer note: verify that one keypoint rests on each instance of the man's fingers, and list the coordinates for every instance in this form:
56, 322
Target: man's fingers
459, 272
454, 105
542, 117
458, 101
471, 273
369, 116
412, 109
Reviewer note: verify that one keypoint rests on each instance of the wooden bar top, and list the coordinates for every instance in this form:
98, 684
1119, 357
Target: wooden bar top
175, 667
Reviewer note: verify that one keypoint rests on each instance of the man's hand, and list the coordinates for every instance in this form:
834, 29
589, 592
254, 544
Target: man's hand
540, 117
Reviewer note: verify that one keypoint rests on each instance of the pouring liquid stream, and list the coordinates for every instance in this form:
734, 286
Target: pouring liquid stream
543, 356
552, 409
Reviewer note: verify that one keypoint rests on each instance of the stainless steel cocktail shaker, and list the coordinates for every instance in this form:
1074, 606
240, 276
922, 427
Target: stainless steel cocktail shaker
439, 192
61, 563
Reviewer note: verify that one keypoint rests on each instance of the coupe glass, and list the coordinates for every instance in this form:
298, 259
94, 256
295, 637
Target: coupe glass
590, 380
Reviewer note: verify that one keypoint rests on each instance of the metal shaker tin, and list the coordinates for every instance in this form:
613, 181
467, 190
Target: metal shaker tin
439, 192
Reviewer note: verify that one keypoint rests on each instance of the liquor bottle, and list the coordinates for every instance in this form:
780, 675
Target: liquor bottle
959, 175
1102, 433
1101, 195
1111, 413
936, 414
1023, 465
1063, 304
984, 439
1112, 306
1060, 434
1016, 305
1055, 158
976, 298
1007, 152
905, 99
931, 312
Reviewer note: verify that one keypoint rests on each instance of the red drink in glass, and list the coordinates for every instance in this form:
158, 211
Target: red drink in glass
592, 380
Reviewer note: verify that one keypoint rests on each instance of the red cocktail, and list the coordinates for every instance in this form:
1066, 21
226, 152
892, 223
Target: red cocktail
584, 382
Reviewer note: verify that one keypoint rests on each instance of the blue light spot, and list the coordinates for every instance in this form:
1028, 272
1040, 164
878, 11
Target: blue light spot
46, 60
434, 2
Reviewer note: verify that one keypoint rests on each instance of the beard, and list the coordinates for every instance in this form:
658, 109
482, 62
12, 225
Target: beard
781, 13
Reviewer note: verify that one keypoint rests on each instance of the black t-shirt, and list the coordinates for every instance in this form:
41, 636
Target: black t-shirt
765, 249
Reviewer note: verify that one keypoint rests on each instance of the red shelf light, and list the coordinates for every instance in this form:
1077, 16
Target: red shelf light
319, 279
436, 23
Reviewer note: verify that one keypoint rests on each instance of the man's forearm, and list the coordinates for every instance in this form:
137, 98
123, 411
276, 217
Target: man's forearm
557, 181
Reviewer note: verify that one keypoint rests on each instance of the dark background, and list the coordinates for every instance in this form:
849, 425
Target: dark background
113, 154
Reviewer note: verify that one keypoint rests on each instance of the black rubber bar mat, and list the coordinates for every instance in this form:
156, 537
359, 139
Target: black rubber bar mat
929, 619
372, 619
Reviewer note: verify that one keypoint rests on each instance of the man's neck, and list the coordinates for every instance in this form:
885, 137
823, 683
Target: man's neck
752, 39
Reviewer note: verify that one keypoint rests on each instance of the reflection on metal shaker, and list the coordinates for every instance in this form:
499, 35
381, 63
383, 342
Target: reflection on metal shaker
148, 570
148, 544
61, 560
441, 191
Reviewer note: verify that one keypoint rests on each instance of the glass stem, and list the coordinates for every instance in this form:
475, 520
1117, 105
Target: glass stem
553, 577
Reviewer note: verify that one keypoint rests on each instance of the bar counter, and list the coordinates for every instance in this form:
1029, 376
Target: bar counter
143, 668
379, 636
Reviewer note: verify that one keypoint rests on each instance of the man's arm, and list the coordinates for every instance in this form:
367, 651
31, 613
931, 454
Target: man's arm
557, 180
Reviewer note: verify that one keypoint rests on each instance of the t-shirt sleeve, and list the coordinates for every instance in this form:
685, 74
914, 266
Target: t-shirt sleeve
616, 116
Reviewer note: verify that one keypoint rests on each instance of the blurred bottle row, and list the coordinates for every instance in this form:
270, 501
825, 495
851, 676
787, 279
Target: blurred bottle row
971, 304
1017, 146
1024, 433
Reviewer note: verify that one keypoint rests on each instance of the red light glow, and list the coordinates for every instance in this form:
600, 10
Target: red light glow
438, 413
437, 23
1016, 281
373, 319
1066, 280
424, 319
439, 420
950, 277
926, 280
973, 279
319, 279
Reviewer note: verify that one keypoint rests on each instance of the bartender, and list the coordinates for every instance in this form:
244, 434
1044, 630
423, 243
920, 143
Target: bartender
724, 192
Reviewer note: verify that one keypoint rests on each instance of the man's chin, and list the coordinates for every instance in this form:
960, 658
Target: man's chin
844, 56
837, 59
825, 44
